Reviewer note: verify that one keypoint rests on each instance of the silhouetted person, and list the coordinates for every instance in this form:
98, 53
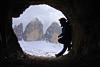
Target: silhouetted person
65, 36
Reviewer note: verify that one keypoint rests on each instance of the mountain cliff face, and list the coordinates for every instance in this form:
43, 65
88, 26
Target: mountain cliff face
33, 31
19, 31
52, 32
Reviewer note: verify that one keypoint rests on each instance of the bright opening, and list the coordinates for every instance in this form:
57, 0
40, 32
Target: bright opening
37, 30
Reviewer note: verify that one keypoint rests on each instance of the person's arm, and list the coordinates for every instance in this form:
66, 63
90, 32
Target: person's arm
60, 35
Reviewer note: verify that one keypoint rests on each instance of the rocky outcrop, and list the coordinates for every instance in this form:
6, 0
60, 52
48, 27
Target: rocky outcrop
18, 31
52, 33
33, 31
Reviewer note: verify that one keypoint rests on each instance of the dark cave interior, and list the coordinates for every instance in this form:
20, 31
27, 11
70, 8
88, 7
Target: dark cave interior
85, 35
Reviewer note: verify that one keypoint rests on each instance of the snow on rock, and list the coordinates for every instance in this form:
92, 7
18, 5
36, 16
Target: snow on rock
52, 33
33, 31
41, 48
46, 14
19, 31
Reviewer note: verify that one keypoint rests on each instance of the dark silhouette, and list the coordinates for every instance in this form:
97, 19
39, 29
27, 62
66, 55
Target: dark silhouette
65, 36
9, 46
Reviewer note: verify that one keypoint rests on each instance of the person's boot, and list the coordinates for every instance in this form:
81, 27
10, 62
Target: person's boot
69, 48
58, 55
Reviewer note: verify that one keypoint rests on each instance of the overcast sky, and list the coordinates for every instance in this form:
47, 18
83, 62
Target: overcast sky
45, 13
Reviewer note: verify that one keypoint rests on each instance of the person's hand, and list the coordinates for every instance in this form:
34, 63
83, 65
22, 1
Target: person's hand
59, 36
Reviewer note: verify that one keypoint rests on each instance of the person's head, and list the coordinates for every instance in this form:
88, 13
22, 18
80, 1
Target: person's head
62, 21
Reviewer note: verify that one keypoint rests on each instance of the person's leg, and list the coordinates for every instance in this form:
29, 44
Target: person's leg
69, 46
62, 52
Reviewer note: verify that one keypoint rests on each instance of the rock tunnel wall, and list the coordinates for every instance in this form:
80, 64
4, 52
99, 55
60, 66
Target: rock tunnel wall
85, 25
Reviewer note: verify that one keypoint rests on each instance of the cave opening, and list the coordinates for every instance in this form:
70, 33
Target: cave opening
37, 30
85, 26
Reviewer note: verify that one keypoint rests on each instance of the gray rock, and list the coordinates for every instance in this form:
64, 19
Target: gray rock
19, 31
52, 33
33, 31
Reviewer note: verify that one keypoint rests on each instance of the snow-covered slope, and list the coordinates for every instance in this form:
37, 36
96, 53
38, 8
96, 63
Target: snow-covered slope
47, 15
41, 48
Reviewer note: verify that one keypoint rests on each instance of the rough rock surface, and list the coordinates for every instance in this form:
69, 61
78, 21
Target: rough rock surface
33, 31
19, 31
52, 33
